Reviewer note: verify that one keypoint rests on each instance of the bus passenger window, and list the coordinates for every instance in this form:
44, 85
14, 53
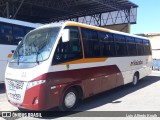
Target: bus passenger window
91, 43
147, 50
131, 45
6, 34
140, 48
18, 34
68, 51
27, 29
107, 48
120, 43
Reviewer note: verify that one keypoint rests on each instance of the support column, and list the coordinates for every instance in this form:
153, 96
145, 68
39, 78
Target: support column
129, 25
7, 9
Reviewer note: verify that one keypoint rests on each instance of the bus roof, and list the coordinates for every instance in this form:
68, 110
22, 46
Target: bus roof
52, 25
72, 23
101, 29
21, 23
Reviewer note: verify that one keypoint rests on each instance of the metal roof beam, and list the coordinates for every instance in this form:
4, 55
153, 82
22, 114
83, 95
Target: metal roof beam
106, 3
18, 9
55, 10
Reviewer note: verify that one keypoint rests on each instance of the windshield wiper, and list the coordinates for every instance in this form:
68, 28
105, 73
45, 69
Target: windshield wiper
37, 53
18, 56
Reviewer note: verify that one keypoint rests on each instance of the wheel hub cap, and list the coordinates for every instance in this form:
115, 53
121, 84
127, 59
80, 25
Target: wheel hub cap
70, 100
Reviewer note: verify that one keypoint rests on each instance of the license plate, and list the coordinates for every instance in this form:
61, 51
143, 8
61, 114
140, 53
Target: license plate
13, 95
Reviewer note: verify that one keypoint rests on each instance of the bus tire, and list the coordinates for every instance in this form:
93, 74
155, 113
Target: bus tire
135, 79
70, 100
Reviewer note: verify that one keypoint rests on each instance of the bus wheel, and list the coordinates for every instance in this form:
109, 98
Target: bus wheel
70, 100
135, 79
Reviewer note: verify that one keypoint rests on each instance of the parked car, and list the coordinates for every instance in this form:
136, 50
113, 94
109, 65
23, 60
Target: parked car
156, 64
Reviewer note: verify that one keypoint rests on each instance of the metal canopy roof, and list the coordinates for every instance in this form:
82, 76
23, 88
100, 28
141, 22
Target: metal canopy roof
55, 10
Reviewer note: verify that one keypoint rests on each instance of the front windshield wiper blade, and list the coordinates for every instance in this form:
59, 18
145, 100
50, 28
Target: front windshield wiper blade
18, 56
37, 53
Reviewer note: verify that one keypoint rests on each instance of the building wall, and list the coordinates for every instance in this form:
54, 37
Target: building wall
156, 54
155, 43
121, 27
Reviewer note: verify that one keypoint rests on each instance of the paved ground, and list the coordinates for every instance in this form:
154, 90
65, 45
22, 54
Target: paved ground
144, 97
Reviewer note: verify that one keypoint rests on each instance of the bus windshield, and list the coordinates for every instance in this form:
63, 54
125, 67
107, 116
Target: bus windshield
36, 46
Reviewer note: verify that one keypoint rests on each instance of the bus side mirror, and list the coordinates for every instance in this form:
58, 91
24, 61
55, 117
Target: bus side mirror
65, 35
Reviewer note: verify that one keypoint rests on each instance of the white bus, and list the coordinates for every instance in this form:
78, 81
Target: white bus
58, 64
11, 32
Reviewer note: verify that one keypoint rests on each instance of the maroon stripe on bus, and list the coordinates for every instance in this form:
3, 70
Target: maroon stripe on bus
93, 80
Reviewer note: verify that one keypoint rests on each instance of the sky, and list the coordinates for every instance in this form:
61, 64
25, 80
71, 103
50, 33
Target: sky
148, 17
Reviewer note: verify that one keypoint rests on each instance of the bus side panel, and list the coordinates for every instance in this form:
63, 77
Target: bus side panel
86, 76
94, 80
112, 79
119, 79
5, 50
3, 65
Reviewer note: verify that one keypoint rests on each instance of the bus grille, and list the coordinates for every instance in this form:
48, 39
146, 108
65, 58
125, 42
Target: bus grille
14, 84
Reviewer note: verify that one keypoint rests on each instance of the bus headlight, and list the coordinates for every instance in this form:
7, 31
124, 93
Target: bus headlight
34, 83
